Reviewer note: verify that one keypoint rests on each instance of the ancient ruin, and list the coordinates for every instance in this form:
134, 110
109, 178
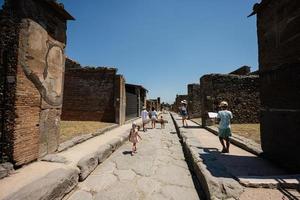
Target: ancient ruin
278, 28
240, 91
194, 100
153, 103
32, 43
91, 94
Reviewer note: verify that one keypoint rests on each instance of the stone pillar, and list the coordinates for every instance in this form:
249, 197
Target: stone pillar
278, 27
120, 100
36, 71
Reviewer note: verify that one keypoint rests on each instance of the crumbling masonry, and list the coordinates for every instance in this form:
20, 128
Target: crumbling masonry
278, 28
32, 43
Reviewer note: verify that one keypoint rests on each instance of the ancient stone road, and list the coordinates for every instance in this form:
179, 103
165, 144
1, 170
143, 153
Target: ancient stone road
157, 171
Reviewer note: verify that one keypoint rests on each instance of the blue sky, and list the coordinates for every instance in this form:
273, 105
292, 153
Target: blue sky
163, 44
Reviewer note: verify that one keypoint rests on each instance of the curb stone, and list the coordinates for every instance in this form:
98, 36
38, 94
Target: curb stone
53, 185
88, 164
215, 188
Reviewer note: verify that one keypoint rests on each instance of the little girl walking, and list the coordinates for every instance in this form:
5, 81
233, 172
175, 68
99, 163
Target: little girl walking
134, 137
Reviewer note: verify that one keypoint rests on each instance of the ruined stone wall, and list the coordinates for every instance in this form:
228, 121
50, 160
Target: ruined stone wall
278, 27
32, 94
194, 100
89, 94
9, 36
241, 93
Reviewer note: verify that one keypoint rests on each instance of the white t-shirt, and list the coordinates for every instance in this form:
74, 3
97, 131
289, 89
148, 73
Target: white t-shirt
144, 115
154, 114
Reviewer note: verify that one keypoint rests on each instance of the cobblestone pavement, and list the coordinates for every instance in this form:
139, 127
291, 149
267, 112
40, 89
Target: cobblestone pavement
157, 171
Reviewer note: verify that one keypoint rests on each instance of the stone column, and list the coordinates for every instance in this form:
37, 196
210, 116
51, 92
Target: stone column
120, 100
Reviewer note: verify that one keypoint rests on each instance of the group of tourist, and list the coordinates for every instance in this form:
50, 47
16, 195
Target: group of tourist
224, 117
146, 116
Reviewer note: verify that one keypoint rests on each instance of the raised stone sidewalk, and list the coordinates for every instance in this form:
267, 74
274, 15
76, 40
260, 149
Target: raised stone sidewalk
237, 175
57, 174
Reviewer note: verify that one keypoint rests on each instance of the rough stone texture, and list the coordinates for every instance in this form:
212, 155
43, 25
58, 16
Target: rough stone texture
157, 171
89, 94
194, 100
241, 93
278, 27
103, 152
54, 158
39, 180
53, 186
32, 59
6, 169
244, 70
87, 165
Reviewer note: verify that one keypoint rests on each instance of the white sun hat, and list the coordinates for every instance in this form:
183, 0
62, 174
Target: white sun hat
223, 103
184, 102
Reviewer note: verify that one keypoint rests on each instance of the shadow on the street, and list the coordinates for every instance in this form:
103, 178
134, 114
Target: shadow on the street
229, 166
192, 127
173, 132
127, 152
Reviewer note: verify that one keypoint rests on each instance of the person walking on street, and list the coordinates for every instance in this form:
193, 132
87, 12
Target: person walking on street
134, 137
224, 117
183, 112
153, 117
144, 115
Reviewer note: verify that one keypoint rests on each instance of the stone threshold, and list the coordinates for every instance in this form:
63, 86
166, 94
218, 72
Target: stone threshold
57, 174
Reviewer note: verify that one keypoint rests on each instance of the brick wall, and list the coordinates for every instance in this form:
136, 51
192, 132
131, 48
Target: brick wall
33, 78
278, 27
89, 94
194, 100
241, 92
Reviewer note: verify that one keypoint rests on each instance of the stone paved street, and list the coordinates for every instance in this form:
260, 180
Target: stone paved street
157, 171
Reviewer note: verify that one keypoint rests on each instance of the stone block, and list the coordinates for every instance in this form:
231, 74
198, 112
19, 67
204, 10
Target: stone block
87, 165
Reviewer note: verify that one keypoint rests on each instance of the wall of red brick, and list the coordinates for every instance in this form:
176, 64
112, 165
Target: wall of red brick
89, 94
33, 76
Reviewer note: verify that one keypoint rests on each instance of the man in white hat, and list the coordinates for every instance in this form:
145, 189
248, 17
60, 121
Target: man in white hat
144, 115
224, 116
